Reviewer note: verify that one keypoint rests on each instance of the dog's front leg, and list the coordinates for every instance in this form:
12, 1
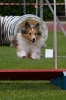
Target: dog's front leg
36, 56
21, 54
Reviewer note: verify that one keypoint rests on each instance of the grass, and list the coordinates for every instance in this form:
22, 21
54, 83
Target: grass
32, 90
9, 60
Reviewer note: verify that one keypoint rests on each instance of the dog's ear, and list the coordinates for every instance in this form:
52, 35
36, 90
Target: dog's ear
39, 33
24, 32
37, 25
27, 25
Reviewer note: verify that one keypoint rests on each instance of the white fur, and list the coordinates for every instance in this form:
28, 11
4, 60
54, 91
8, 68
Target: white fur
26, 47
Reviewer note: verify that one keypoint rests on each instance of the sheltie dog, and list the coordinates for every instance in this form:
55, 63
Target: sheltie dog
28, 41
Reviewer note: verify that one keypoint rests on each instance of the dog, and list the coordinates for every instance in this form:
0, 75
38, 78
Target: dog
28, 41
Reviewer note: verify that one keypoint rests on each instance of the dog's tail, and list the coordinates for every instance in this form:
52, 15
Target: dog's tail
13, 40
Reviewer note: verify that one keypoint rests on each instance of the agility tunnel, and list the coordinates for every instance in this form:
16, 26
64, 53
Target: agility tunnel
10, 24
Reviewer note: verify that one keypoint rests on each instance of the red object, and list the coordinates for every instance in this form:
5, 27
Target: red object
36, 5
33, 74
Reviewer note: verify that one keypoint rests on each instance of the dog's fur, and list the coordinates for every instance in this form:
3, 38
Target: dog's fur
28, 41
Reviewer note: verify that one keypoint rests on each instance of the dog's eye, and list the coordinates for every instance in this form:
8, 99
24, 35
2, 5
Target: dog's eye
29, 33
35, 33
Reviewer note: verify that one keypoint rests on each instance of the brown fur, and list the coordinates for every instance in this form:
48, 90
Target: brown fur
13, 41
29, 32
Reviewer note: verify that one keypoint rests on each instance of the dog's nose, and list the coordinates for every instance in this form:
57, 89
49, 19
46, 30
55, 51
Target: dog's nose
33, 39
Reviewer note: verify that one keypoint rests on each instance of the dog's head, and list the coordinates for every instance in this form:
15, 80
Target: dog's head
31, 33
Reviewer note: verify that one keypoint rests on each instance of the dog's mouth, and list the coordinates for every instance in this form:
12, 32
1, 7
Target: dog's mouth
33, 40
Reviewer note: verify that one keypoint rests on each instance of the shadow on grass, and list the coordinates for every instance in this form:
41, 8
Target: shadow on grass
27, 85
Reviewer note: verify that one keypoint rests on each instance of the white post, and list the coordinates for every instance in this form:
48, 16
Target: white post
41, 12
55, 36
24, 7
41, 9
36, 6
65, 7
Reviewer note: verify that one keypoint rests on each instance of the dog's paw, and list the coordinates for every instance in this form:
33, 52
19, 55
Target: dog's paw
21, 54
35, 56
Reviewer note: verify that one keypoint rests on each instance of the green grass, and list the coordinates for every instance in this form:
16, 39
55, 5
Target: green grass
9, 60
32, 90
